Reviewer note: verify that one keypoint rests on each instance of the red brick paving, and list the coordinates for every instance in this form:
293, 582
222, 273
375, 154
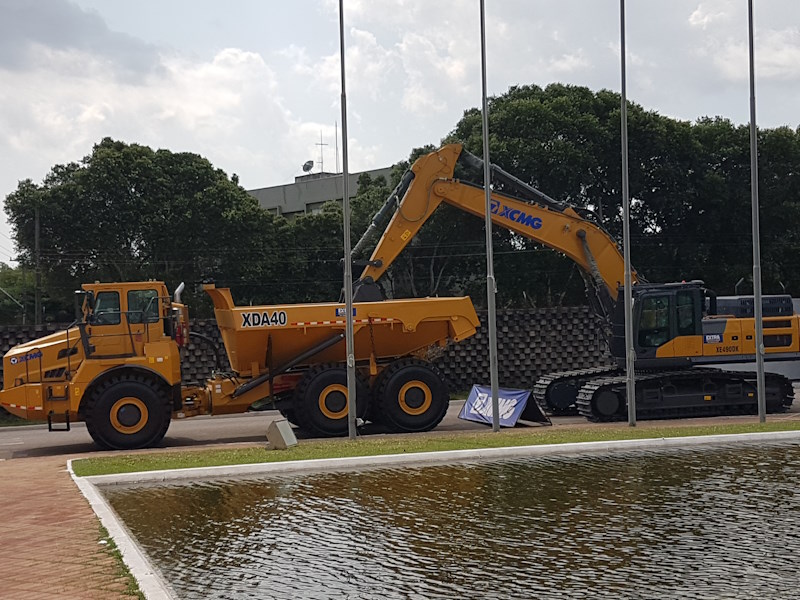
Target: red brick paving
49, 537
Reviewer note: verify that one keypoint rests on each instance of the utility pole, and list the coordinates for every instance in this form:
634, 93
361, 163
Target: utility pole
17, 302
37, 304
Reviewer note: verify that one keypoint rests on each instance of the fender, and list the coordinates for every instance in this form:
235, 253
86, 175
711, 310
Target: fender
127, 369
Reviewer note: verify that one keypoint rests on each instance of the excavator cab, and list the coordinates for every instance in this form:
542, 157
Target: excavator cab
663, 315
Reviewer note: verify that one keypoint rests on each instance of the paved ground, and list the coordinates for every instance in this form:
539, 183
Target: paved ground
29, 441
49, 536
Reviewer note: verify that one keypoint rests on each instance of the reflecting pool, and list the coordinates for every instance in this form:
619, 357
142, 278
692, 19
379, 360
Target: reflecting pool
721, 522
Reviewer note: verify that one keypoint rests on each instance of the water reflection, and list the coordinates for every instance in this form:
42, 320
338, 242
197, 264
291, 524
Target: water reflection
692, 523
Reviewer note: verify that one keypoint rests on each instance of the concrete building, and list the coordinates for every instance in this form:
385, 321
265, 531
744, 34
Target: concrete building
309, 192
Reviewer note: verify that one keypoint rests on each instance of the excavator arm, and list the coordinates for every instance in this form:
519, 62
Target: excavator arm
540, 218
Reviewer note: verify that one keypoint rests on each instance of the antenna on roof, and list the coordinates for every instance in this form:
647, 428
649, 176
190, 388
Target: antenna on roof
308, 165
321, 159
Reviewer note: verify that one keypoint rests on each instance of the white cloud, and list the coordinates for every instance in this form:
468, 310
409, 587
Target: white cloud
568, 63
777, 56
369, 65
425, 61
707, 13
633, 58
228, 108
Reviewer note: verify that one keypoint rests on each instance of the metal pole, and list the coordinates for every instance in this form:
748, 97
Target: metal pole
17, 302
37, 296
491, 285
348, 265
759, 341
630, 356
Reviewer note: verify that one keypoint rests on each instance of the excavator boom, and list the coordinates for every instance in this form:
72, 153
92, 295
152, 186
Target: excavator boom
540, 218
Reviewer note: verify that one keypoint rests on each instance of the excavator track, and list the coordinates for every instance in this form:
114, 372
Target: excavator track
556, 392
697, 392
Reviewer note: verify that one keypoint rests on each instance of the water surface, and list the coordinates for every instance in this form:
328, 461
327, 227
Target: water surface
686, 523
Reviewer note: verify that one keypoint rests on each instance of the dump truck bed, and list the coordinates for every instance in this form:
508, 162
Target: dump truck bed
259, 339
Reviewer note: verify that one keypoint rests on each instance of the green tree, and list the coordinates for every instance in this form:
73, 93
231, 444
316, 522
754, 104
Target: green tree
17, 289
127, 212
779, 198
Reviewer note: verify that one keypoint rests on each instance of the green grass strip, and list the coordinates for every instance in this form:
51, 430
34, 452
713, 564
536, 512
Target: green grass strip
122, 571
8, 420
154, 460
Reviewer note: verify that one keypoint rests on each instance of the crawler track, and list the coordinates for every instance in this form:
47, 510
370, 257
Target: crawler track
557, 392
697, 392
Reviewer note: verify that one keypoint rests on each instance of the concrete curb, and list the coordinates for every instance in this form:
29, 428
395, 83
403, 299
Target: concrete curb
150, 581
422, 458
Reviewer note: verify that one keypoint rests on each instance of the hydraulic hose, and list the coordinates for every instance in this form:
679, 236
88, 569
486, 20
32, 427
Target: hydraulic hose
212, 344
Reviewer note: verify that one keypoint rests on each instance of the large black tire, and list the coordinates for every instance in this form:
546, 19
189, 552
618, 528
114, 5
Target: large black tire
127, 412
320, 400
373, 413
413, 396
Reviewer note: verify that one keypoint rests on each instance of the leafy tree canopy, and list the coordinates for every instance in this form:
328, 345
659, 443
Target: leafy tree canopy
127, 212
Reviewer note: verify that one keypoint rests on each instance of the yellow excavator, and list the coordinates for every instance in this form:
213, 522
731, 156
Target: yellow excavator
679, 328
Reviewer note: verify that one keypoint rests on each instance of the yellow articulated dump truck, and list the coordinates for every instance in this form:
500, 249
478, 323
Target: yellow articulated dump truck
118, 367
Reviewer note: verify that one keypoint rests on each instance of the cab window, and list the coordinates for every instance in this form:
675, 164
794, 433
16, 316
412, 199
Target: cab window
143, 306
106, 308
685, 313
654, 322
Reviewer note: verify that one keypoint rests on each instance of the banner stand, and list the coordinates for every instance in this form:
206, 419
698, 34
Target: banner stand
514, 406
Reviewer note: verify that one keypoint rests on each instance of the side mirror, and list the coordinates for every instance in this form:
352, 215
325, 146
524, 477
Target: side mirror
84, 303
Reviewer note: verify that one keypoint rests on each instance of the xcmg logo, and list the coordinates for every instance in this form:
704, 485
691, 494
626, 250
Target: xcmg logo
516, 215
15, 360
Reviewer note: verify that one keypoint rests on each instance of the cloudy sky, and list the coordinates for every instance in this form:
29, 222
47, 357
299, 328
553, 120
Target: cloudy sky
254, 85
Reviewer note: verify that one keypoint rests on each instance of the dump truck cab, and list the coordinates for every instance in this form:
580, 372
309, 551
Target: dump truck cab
128, 320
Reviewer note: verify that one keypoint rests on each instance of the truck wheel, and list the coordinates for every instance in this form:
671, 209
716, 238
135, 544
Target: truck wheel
320, 400
128, 412
413, 396
373, 413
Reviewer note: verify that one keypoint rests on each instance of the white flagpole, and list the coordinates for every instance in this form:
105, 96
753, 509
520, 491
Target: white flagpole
759, 341
630, 356
491, 285
348, 265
